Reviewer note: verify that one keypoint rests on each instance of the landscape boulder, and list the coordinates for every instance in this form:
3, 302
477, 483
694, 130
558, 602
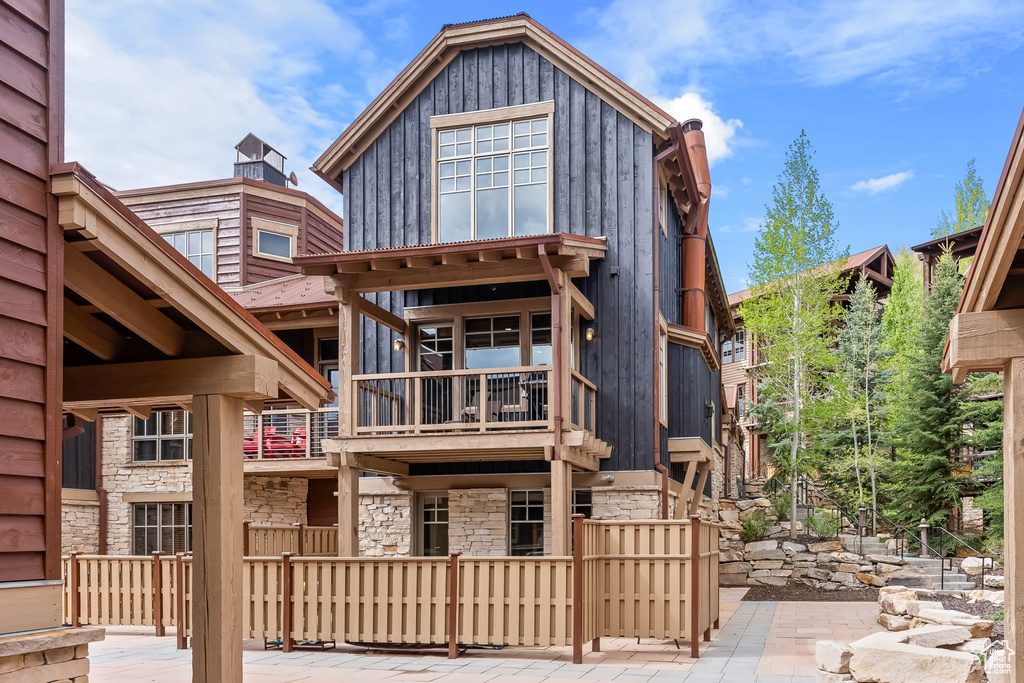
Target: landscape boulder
938, 635
904, 663
972, 565
832, 656
994, 582
824, 547
871, 579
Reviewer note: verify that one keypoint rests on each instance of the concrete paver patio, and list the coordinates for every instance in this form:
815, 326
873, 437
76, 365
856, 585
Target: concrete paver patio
760, 642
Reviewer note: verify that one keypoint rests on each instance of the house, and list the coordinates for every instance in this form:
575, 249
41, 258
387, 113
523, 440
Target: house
99, 313
987, 334
528, 304
961, 245
127, 484
739, 354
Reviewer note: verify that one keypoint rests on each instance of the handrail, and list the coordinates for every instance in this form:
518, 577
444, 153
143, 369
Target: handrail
838, 508
453, 373
965, 544
939, 556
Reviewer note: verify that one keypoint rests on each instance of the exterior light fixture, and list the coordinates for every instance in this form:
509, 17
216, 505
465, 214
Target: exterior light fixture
590, 334
399, 344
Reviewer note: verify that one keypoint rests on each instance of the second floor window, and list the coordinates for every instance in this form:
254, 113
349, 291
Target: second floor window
493, 180
740, 395
735, 349
196, 246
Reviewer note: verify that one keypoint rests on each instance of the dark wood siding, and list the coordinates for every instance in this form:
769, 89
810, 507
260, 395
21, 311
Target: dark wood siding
258, 269
670, 274
79, 464
602, 187
691, 385
31, 271
320, 236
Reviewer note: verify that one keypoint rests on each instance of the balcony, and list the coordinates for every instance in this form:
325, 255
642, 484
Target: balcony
472, 415
287, 441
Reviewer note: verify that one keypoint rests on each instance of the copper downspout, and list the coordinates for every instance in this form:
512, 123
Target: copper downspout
696, 231
556, 349
101, 492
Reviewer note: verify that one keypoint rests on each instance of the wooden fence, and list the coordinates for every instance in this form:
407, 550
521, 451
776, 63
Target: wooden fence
297, 539
644, 579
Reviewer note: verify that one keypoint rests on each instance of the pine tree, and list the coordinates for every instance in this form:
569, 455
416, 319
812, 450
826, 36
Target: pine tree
971, 206
796, 272
901, 321
984, 414
931, 429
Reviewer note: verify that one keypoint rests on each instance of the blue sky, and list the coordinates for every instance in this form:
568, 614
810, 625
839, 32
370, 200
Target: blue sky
896, 97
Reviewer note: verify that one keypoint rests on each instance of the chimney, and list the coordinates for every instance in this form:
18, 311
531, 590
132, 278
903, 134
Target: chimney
259, 161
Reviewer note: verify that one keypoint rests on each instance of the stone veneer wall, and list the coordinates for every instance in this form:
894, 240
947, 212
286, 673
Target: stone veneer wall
478, 522
385, 524
274, 500
80, 528
121, 476
51, 657
973, 517
630, 502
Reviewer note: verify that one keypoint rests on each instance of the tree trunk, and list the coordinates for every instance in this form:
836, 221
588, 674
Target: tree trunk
794, 443
856, 459
870, 446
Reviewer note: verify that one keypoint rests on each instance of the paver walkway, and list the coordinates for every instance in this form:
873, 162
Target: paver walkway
760, 642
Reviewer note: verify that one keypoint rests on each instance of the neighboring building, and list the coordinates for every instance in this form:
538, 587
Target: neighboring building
530, 304
961, 245
739, 353
987, 335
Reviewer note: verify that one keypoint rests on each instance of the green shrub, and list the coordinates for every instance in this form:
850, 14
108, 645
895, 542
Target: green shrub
755, 527
999, 616
780, 503
822, 523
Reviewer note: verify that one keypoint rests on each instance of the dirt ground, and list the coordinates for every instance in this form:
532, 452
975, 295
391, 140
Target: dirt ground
809, 594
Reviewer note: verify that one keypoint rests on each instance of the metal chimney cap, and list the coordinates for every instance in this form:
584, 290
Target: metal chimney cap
691, 125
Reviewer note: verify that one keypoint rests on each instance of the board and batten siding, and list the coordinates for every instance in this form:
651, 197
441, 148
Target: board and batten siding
602, 186
691, 385
31, 282
224, 208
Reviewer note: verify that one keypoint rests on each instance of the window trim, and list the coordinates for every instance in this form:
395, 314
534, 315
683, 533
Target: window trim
528, 490
159, 438
189, 526
274, 228
482, 118
420, 520
662, 370
211, 224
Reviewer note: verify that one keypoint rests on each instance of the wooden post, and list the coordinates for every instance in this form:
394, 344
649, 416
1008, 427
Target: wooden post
348, 511
158, 595
453, 606
287, 588
217, 560
179, 595
577, 588
693, 599
348, 365
561, 507
76, 595
300, 543
1013, 514
698, 495
245, 538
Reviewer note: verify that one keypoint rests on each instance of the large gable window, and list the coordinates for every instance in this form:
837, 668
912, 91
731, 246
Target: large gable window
492, 178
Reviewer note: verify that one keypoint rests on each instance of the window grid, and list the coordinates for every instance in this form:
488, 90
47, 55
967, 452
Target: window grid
739, 345
435, 526
740, 391
161, 526
196, 246
474, 197
526, 522
164, 436
583, 502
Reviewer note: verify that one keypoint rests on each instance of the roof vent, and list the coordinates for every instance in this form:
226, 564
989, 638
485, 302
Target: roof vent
259, 161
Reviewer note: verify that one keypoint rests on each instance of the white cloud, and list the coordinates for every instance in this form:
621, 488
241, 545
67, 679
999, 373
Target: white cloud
876, 185
160, 92
921, 41
718, 132
751, 224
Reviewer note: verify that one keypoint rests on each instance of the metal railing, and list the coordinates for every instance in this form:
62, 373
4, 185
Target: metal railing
985, 559
461, 401
293, 433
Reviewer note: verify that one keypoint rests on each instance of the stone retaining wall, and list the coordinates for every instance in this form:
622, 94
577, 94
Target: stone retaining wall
51, 657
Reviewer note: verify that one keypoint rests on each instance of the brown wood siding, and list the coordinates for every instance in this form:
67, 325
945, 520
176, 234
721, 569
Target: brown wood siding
31, 267
321, 236
225, 208
261, 269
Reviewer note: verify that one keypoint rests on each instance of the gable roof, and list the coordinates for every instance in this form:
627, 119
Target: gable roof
446, 45
853, 263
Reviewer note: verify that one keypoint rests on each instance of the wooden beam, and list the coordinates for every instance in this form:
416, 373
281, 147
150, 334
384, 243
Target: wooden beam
244, 377
383, 316
698, 494
982, 341
419, 262
386, 264
577, 457
90, 281
491, 256
254, 406
1013, 514
684, 497
348, 511
581, 303
141, 412
87, 414
217, 540
353, 267
454, 259
368, 463
91, 334
561, 507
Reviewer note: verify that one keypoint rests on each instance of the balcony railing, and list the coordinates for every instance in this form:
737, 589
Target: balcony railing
288, 433
459, 401
582, 402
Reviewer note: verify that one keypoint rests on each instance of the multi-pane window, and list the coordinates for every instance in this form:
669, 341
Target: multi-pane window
165, 435
436, 347
492, 342
727, 351
526, 522
739, 345
161, 526
493, 180
435, 525
196, 246
583, 502
740, 391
